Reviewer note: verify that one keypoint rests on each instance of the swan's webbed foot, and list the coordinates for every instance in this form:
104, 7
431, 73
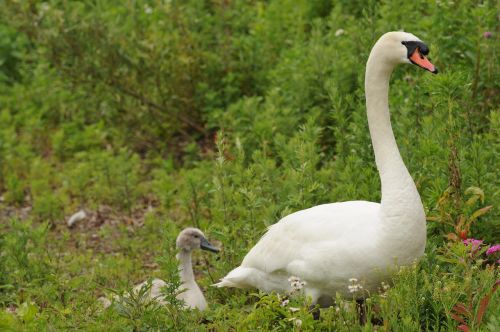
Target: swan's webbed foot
314, 310
361, 309
376, 319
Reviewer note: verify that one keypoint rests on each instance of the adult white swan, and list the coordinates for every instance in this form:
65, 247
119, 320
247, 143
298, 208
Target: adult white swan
327, 245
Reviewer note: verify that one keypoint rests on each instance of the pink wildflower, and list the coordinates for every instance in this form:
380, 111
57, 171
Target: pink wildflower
493, 249
473, 243
487, 34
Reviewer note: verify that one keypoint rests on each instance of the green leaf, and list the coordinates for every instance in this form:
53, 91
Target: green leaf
480, 212
27, 311
476, 192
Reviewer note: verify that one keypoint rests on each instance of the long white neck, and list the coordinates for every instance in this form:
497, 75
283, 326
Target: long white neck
401, 208
393, 172
185, 266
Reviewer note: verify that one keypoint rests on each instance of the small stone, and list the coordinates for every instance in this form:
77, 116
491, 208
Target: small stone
80, 215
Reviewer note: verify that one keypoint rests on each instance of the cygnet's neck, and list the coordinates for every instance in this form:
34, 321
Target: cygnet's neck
185, 266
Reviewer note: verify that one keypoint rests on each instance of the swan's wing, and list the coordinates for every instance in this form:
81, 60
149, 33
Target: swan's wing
193, 296
319, 231
154, 291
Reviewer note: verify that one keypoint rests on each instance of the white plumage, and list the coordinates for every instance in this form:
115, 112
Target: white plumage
329, 244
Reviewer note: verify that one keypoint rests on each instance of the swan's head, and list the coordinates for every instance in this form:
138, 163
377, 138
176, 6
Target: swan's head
403, 47
192, 238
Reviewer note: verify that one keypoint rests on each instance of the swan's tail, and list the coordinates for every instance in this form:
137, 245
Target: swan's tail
249, 277
241, 277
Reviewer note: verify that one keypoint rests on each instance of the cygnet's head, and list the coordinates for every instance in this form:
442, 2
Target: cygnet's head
192, 238
403, 47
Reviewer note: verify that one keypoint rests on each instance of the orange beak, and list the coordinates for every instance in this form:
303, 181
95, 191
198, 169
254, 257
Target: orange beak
420, 60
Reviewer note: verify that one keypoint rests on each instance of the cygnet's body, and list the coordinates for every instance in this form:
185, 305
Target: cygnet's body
187, 241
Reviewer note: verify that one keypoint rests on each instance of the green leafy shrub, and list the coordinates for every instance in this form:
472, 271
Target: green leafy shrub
227, 116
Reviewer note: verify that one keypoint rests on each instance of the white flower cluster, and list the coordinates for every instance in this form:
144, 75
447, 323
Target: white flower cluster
339, 32
354, 286
148, 10
297, 322
383, 289
296, 283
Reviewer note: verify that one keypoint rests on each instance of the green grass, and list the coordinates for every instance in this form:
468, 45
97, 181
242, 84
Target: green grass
228, 115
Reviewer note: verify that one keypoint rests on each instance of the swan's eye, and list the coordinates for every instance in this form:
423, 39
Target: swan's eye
412, 46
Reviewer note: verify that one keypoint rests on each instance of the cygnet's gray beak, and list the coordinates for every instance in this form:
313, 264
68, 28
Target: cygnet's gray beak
205, 245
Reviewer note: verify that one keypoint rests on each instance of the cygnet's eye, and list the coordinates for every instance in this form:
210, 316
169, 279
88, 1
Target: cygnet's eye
196, 236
